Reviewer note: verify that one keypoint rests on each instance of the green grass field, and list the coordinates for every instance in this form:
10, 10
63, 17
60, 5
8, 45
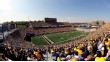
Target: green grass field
38, 40
21, 26
60, 37
57, 37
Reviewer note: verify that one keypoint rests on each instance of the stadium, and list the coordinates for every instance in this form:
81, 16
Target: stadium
54, 30
50, 40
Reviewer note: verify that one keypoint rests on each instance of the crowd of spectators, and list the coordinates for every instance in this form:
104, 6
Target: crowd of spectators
53, 30
42, 31
93, 47
21, 54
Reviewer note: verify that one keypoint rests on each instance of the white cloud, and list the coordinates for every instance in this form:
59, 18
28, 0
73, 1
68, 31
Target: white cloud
5, 10
73, 19
79, 19
5, 5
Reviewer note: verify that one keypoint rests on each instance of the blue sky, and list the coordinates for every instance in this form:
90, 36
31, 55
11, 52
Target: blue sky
63, 10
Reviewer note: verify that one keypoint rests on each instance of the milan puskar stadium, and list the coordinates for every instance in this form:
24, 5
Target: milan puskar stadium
49, 40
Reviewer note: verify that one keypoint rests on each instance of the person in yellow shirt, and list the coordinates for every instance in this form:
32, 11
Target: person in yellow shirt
51, 50
99, 58
37, 54
108, 48
58, 59
107, 44
74, 49
109, 40
74, 59
66, 51
79, 51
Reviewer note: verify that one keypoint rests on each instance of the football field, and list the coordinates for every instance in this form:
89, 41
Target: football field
38, 40
57, 37
65, 36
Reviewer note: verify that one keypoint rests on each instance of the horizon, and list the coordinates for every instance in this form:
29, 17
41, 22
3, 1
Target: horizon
64, 10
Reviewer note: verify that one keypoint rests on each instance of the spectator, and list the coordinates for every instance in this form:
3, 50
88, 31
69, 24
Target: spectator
99, 58
108, 56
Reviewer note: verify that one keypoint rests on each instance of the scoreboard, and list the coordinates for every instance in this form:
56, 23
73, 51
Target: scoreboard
50, 20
